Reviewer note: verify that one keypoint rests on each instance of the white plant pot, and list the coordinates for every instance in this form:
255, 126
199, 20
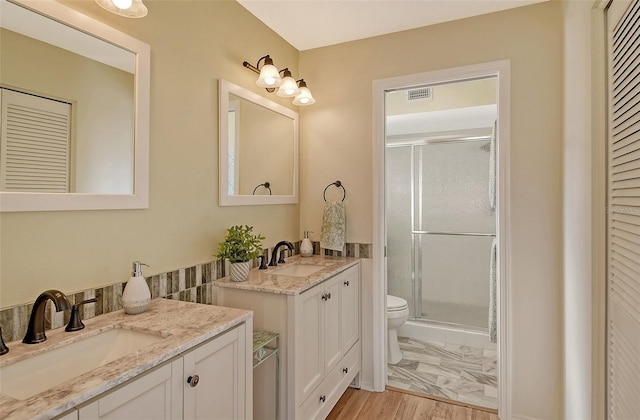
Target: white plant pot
240, 271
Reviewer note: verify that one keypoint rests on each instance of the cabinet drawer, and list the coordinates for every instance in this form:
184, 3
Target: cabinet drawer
327, 394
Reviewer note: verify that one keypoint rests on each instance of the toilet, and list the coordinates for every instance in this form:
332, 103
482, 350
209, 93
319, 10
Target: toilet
397, 314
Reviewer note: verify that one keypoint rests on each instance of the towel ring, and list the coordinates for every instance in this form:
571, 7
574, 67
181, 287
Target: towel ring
266, 185
337, 184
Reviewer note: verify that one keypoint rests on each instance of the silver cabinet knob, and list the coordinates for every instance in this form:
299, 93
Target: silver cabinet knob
193, 381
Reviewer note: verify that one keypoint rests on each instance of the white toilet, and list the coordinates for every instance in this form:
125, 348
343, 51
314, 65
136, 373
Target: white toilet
397, 314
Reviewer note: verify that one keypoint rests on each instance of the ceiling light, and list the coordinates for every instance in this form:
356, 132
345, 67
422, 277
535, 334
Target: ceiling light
304, 96
126, 8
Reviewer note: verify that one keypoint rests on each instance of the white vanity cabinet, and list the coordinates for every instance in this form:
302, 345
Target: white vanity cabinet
319, 327
207, 382
326, 357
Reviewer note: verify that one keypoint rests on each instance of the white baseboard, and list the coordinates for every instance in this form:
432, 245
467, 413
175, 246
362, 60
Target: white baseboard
367, 386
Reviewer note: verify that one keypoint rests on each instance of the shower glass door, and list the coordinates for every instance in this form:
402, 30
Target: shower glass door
440, 219
454, 227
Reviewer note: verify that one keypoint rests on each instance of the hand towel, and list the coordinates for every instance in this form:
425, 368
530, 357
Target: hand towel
493, 293
334, 229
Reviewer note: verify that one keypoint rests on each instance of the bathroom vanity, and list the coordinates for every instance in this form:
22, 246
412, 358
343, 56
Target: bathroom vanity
177, 360
314, 304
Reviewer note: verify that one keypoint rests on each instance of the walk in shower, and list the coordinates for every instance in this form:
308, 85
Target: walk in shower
441, 218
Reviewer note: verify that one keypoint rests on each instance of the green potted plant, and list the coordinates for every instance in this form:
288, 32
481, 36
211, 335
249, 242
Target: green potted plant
241, 246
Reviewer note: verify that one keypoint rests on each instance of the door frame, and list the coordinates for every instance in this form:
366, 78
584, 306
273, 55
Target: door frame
500, 69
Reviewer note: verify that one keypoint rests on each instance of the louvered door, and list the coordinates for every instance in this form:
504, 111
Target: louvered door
623, 319
34, 143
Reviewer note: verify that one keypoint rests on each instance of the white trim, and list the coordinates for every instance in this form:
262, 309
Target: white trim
18, 201
501, 69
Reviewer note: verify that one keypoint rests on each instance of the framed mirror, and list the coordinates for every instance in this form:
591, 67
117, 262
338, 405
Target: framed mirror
258, 149
75, 111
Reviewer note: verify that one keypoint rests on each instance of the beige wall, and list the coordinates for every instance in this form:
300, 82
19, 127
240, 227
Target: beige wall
193, 44
336, 143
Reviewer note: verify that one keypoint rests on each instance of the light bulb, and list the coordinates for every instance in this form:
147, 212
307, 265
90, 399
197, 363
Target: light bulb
122, 4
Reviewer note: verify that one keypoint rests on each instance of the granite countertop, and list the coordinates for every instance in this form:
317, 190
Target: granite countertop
272, 282
184, 325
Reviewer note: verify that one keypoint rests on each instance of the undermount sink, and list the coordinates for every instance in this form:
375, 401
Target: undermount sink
298, 270
29, 377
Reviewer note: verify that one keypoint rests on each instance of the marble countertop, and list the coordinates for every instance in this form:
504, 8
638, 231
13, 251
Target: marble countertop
268, 281
184, 325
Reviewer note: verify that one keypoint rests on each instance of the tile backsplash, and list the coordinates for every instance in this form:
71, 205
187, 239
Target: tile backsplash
191, 284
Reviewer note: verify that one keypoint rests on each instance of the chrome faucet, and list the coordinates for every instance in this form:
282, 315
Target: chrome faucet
274, 255
35, 330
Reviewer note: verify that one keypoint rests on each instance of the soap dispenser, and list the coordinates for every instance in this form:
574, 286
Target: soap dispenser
306, 247
136, 296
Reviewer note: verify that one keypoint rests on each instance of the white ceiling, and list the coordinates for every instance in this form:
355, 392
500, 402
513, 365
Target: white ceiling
308, 24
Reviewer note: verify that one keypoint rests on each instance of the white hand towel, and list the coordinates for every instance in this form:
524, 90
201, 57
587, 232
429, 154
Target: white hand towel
334, 226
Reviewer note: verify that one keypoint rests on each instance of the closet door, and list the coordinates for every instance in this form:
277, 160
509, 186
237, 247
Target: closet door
623, 318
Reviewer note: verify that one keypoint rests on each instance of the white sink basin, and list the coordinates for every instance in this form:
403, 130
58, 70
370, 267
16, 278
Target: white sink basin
29, 377
298, 270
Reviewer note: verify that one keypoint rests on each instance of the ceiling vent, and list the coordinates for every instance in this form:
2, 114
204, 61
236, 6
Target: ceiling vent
423, 93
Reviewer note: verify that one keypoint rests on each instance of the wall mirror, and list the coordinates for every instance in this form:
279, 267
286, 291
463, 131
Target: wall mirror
258, 149
75, 111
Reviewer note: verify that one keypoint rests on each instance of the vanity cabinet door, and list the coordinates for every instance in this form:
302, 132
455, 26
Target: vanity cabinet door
332, 337
350, 284
309, 341
154, 395
214, 378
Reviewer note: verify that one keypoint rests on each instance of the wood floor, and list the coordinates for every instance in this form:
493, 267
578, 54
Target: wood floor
358, 404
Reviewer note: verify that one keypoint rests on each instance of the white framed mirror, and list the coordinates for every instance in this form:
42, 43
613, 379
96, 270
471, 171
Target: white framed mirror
92, 81
258, 149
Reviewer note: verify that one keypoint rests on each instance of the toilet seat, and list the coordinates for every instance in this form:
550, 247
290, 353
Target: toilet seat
396, 304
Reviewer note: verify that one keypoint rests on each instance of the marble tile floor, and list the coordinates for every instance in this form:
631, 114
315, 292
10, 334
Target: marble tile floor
459, 373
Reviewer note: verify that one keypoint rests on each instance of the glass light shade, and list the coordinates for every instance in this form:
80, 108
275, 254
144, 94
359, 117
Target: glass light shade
136, 10
269, 77
304, 97
123, 4
288, 88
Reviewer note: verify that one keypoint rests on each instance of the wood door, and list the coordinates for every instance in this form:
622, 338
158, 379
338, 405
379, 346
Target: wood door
623, 297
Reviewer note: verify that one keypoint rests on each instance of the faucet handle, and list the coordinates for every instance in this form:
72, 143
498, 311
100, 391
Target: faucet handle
75, 323
263, 263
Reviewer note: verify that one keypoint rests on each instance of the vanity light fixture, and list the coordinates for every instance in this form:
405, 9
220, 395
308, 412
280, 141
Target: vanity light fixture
303, 97
126, 8
287, 86
269, 75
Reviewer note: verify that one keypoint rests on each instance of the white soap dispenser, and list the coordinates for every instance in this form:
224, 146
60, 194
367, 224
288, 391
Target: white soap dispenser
136, 296
306, 247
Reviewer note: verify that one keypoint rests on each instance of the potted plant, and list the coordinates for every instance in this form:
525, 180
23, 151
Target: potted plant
241, 246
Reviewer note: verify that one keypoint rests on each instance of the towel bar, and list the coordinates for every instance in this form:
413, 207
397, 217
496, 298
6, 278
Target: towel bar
338, 184
266, 185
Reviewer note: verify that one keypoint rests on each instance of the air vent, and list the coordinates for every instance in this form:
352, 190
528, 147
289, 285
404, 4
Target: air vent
420, 94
